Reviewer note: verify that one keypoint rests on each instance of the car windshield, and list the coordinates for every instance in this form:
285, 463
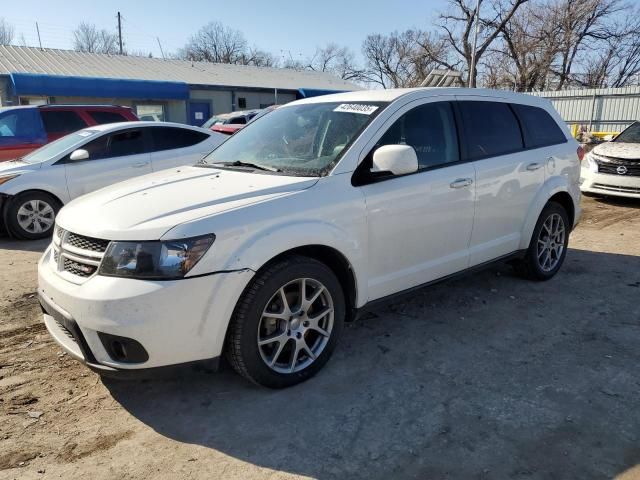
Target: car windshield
54, 149
304, 140
630, 135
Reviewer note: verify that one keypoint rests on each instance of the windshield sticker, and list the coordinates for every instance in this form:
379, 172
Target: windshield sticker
356, 108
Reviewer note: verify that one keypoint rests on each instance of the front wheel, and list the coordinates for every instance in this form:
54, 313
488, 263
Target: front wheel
548, 246
31, 215
286, 323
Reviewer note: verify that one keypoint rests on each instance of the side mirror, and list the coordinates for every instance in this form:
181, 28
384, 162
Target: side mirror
397, 159
80, 154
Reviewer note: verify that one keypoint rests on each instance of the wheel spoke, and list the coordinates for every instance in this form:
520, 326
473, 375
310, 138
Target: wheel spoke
36, 227
274, 359
315, 296
294, 357
285, 302
277, 337
320, 315
307, 350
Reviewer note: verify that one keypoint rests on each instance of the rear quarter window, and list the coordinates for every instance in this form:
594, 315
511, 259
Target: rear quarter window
168, 138
102, 118
489, 129
539, 128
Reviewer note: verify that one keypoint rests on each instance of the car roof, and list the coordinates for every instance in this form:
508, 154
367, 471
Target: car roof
107, 127
392, 94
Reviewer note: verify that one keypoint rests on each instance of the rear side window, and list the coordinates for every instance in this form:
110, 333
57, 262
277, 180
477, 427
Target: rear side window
168, 138
129, 142
430, 130
61, 121
107, 117
490, 129
539, 128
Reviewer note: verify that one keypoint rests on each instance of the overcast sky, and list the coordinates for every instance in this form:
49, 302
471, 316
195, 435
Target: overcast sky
282, 27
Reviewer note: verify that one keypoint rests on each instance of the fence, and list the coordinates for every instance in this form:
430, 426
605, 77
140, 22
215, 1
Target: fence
603, 110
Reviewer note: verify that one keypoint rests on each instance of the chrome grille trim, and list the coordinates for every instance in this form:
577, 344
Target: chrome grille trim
616, 188
77, 255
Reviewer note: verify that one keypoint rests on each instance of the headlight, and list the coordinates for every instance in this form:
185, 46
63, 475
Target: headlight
7, 178
160, 260
590, 163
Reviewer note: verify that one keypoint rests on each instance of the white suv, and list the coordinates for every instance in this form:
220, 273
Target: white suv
302, 219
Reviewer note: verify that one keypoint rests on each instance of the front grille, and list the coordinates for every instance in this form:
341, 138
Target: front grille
617, 188
611, 166
59, 232
86, 243
77, 268
56, 255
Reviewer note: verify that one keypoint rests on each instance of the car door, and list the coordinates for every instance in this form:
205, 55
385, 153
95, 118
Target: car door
508, 177
419, 224
175, 146
113, 157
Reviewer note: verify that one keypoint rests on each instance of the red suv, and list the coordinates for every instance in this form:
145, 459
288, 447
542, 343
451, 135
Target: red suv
24, 129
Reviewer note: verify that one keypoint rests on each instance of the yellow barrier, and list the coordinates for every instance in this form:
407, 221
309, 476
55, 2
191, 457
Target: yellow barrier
575, 131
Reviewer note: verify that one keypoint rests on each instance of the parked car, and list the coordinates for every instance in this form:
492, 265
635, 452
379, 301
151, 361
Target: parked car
613, 168
325, 207
25, 129
230, 123
34, 188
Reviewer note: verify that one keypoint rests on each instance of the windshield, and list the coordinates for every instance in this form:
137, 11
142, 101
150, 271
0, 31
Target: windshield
630, 135
54, 149
303, 140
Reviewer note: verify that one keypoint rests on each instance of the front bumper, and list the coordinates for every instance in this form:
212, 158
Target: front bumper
177, 322
606, 184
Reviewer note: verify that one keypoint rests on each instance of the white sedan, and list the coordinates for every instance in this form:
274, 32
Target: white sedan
35, 187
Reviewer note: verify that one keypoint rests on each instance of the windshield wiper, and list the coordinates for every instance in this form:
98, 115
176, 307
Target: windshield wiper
238, 163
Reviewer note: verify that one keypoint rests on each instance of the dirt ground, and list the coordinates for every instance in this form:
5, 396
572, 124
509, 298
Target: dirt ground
487, 376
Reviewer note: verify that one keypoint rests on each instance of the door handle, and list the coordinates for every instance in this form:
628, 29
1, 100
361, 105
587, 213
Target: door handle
140, 164
461, 183
534, 166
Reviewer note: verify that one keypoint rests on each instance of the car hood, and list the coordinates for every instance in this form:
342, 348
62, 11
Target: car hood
628, 151
144, 208
17, 166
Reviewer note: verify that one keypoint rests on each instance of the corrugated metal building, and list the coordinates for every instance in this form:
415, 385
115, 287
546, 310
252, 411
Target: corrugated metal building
175, 90
600, 110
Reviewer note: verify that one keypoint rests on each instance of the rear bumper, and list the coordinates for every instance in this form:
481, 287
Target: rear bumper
605, 184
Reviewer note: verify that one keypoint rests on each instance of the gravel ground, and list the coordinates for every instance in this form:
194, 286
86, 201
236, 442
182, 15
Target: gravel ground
487, 376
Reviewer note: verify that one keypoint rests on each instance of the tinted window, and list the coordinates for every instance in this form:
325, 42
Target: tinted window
61, 121
21, 125
168, 138
129, 142
630, 135
107, 117
236, 120
430, 130
490, 129
98, 148
539, 128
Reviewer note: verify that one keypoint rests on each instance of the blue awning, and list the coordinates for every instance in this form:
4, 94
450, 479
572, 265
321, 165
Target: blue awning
316, 92
67, 86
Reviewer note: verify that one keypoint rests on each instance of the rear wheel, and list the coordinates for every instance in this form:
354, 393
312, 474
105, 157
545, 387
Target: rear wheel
31, 215
548, 246
286, 323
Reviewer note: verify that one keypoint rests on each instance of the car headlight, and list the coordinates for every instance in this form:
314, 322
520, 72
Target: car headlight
159, 260
6, 178
590, 163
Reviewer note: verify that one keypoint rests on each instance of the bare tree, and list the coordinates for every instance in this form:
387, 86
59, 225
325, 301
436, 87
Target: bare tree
88, 38
403, 59
216, 43
332, 58
6, 32
458, 25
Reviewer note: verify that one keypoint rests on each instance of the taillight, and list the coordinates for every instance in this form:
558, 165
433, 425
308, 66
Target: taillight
580, 153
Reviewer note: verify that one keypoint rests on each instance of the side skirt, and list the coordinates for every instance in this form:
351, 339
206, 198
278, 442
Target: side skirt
394, 297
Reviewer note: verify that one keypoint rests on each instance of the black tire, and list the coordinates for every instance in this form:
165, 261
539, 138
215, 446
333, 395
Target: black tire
242, 350
530, 266
13, 217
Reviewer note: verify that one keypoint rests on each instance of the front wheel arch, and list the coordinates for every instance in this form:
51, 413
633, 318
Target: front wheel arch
10, 202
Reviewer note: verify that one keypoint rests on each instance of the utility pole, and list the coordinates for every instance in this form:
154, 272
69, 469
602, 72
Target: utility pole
160, 45
39, 40
472, 67
120, 32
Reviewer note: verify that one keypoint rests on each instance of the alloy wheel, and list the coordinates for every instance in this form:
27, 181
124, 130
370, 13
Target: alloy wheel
295, 325
551, 241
